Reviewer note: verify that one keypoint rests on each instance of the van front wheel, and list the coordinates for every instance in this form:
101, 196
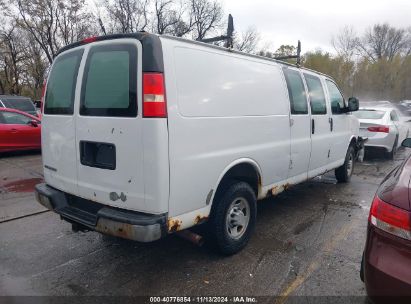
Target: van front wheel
343, 173
233, 218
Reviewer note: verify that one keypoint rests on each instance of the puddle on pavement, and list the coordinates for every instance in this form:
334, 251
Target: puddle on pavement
23, 185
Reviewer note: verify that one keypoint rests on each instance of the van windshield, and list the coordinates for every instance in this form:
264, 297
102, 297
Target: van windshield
369, 114
18, 103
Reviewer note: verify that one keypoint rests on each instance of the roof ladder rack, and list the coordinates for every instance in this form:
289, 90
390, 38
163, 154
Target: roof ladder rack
298, 56
228, 37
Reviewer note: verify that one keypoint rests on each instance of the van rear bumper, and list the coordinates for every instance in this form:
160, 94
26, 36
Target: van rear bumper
89, 215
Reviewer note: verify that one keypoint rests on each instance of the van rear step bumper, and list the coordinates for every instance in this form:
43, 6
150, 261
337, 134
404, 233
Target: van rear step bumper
94, 216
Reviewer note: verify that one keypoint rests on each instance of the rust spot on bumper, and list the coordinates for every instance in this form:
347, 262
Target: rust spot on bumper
174, 225
200, 219
122, 230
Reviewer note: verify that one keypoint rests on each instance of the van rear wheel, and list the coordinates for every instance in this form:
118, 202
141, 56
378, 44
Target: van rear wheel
233, 218
343, 173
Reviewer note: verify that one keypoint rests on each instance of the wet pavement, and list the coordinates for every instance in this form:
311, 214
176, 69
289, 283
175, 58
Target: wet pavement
308, 242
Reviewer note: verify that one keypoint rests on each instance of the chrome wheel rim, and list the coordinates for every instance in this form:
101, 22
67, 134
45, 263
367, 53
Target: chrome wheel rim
350, 164
238, 217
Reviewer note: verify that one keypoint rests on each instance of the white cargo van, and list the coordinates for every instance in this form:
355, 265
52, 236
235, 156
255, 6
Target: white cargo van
146, 135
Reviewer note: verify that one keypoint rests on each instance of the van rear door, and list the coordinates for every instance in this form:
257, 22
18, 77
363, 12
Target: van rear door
58, 137
109, 136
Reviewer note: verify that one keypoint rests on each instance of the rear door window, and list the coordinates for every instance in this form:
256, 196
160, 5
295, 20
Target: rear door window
394, 116
110, 81
62, 84
296, 92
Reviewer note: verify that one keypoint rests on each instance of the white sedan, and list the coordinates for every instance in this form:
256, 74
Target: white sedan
383, 128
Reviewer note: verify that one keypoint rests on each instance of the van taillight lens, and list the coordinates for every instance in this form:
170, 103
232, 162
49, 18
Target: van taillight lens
391, 219
383, 129
154, 98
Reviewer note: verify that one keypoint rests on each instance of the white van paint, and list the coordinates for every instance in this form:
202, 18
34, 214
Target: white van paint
224, 109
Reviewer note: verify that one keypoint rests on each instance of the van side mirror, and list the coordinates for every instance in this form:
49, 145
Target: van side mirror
353, 104
406, 143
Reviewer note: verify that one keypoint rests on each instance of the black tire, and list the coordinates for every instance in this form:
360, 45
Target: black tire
343, 173
390, 155
218, 225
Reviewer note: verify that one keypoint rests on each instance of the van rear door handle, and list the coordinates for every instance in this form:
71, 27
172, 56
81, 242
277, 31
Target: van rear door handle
312, 126
331, 124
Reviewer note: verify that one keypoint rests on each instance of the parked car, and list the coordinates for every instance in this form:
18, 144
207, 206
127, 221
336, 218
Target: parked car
406, 103
21, 103
383, 128
166, 133
19, 131
385, 267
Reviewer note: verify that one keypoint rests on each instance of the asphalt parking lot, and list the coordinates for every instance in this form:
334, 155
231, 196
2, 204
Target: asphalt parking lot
308, 242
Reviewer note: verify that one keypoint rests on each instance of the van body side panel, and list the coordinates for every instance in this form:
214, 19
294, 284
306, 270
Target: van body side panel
221, 107
156, 166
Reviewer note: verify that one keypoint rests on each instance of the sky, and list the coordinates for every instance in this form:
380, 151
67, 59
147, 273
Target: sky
314, 22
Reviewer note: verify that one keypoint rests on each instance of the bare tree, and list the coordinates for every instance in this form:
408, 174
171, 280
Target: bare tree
12, 48
165, 16
383, 41
207, 15
52, 23
345, 42
127, 16
248, 40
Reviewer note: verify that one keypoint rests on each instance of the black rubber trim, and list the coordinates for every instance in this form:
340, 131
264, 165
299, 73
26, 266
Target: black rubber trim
87, 213
152, 50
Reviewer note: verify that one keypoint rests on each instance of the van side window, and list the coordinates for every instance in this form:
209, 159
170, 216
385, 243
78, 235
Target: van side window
62, 84
336, 98
296, 92
316, 94
110, 81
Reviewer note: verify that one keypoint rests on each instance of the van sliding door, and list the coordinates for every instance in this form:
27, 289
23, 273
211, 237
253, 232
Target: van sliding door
320, 125
300, 125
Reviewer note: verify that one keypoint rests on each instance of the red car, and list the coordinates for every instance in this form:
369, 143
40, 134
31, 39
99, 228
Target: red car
386, 264
19, 131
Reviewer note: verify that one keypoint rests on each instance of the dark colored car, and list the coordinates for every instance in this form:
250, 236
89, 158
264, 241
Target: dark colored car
19, 131
21, 103
386, 264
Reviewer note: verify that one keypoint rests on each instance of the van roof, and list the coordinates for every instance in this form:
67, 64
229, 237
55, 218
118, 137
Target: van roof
242, 53
150, 41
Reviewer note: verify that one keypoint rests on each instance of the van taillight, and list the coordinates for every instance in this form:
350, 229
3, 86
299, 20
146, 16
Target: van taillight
391, 219
383, 129
89, 39
154, 99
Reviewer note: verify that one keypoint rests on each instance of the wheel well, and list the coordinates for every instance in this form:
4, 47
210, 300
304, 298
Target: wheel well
353, 142
241, 172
